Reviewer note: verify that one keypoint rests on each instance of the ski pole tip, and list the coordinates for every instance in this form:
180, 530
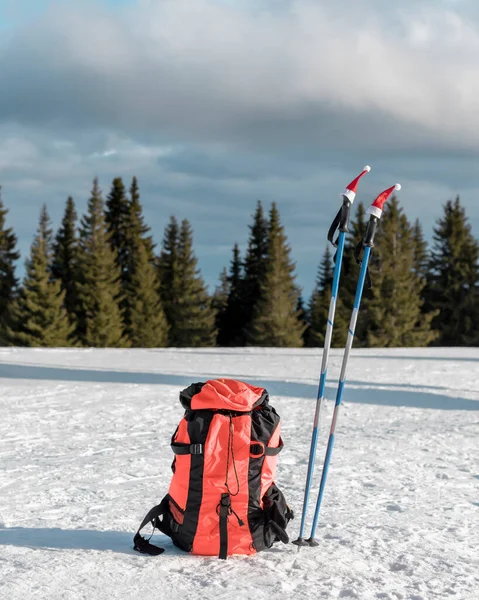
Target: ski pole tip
300, 542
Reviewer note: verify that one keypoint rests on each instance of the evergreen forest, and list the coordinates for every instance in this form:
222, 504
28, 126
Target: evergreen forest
100, 281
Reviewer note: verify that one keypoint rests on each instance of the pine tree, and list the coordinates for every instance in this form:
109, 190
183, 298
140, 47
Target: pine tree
185, 298
394, 311
275, 319
45, 230
117, 215
421, 255
453, 281
99, 287
220, 301
196, 323
65, 259
137, 237
232, 320
168, 271
148, 327
318, 308
8, 281
40, 318
254, 268
136, 227
303, 317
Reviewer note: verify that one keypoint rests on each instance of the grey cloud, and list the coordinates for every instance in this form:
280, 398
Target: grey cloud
216, 187
197, 70
214, 106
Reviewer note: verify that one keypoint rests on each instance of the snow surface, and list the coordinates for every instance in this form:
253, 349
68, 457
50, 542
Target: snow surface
84, 454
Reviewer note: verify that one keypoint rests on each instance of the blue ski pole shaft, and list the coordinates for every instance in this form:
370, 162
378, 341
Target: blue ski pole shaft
322, 381
342, 381
340, 224
375, 212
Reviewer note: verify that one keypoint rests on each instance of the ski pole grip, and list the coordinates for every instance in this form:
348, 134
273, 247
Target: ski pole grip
345, 214
368, 241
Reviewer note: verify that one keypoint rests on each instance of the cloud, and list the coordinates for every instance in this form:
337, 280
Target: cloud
215, 186
215, 104
201, 70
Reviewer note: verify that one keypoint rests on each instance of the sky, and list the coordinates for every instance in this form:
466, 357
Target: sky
216, 104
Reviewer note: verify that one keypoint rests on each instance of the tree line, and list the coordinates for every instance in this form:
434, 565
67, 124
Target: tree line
101, 282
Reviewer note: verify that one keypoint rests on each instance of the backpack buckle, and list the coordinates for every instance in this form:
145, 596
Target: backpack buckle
256, 450
196, 449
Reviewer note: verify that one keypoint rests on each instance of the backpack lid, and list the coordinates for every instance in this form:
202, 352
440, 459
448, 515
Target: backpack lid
225, 394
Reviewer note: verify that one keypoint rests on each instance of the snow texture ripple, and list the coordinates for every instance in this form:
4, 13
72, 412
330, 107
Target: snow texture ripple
84, 453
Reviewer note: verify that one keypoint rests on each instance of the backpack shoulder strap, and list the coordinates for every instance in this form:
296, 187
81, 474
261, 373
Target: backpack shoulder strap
140, 544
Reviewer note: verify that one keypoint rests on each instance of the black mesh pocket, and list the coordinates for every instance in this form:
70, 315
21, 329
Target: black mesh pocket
277, 515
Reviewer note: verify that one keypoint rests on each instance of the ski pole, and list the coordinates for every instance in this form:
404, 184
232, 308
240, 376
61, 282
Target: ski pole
375, 212
340, 224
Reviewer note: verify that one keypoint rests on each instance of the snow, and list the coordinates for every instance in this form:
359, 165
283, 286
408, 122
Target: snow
84, 454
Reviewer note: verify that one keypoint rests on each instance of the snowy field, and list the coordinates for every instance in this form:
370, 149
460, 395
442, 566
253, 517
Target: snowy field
84, 453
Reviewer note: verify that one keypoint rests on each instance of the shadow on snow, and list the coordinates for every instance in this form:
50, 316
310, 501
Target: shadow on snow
78, 539
366, 394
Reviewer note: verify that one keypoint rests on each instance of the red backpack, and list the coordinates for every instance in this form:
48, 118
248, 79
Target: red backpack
223, 498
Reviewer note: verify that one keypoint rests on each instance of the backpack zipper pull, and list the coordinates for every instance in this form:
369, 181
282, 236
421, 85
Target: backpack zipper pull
240, 522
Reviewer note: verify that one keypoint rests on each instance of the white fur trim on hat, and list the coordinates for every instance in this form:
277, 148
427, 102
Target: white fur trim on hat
374, 210
350, 195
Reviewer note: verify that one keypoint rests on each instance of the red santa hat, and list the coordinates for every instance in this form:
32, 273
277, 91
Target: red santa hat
376, 207
350, 191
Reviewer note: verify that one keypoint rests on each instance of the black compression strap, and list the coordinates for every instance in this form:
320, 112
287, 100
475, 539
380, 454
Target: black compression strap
183, 449
224, 510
